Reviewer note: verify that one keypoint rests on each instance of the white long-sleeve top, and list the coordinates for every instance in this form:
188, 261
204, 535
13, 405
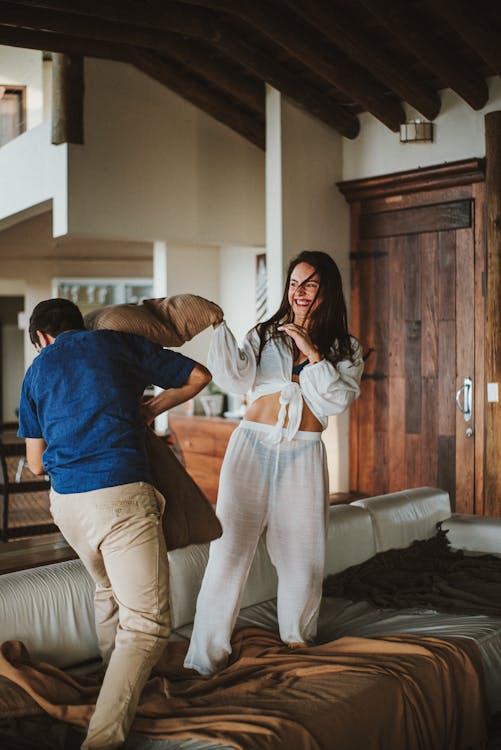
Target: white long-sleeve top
326, 388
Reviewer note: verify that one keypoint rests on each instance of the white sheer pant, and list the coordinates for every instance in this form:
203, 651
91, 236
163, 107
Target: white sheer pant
282, 488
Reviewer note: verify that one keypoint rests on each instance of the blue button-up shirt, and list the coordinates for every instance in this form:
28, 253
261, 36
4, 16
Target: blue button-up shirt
82, 394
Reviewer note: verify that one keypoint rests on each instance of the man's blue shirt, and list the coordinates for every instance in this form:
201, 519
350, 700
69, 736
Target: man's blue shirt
82, 394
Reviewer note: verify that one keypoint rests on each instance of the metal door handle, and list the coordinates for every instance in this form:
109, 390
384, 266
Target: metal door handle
466, 407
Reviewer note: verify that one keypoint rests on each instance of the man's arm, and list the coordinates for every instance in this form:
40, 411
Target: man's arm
198, 379
34, 451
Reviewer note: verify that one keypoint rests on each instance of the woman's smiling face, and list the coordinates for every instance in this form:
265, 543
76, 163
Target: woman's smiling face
304, 286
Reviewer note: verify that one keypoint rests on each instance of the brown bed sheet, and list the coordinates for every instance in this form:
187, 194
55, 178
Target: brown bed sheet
392, 693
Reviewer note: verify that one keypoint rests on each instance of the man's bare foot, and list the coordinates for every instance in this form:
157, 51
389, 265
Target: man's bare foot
295, 645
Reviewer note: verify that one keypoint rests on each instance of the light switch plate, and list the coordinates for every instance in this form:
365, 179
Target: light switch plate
492, 392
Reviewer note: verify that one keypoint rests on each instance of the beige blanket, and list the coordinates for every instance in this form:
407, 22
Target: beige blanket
390, 693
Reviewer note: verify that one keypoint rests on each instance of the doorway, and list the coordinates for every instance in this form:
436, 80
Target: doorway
417, 261
11, 357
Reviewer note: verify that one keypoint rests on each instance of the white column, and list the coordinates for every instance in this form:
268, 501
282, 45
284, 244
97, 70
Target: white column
305, 211
160, 289
160, 254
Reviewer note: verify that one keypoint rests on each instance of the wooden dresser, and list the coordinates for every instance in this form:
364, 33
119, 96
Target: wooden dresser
203, 441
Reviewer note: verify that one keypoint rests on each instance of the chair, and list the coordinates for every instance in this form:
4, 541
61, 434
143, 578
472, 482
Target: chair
10, 447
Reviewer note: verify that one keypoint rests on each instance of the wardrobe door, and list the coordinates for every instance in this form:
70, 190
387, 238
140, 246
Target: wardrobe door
416, 305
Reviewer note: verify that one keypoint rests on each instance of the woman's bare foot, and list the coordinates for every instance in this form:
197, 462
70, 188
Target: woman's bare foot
295, 645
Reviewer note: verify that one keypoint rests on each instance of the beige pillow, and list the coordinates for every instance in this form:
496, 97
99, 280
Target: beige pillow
189, 518
169, 321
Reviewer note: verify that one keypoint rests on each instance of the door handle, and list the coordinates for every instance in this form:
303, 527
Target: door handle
466, 390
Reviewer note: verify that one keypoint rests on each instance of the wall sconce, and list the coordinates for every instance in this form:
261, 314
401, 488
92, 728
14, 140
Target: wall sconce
416, 131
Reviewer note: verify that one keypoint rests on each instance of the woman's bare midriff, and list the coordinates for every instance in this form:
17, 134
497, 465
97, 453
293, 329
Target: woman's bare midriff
265, 410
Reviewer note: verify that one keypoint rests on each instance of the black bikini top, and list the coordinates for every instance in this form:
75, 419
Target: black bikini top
296, 369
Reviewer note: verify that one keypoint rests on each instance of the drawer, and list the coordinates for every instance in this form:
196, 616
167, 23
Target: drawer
197, 443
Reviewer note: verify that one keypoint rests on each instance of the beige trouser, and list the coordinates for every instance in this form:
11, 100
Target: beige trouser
117, 533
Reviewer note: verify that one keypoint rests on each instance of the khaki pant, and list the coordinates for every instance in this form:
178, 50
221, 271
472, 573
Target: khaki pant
117, 533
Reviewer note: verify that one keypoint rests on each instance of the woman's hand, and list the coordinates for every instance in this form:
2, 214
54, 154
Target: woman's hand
302, 340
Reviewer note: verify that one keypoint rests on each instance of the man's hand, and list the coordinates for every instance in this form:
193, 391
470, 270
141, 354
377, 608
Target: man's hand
153, 407
34, 451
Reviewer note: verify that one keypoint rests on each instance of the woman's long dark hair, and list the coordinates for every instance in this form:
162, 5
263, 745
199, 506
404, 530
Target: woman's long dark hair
328, 326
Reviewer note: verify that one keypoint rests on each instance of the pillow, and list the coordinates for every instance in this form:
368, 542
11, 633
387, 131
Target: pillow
169, 321
189, 518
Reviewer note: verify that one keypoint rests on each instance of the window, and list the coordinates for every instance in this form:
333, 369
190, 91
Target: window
12, 112
90, 294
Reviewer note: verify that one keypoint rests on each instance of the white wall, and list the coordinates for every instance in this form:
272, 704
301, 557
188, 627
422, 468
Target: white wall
194, 270
34, 173
238, 288
23, 67
459, 134
304, 210
154, 167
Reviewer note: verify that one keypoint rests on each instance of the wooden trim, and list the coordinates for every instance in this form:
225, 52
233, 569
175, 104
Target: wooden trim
437, 177
493, 312
480, 380
432, 218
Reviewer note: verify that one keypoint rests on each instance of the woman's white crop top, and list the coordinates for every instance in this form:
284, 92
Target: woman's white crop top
327, 389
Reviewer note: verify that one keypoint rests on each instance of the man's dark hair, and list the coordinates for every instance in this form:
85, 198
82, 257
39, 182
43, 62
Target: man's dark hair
53, 316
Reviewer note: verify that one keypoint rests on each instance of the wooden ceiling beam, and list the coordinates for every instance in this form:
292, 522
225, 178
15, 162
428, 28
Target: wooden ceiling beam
195, 24
288, 84
249, 92
407, 25
482, 38
360, 46
165, 72
136, 15
303, 43
245, 87
12, 36
160, 69
99, 29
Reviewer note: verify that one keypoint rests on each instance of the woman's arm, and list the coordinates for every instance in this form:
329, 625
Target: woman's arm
329, 388
233, 368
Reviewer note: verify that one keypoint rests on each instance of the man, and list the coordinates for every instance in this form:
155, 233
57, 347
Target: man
83, 421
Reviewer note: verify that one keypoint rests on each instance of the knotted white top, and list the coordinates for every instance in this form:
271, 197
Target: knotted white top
327, 389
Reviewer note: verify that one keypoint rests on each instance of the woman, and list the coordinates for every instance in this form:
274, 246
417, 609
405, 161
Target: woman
300, 366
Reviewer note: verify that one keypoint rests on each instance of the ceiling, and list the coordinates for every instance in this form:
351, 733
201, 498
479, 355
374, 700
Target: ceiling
334, 58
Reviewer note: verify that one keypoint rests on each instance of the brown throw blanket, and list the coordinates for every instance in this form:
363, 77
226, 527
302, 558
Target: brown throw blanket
390, 693
426, 574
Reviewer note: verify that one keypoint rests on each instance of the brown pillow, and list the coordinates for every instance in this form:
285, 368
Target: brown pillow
169, 321
189, 518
